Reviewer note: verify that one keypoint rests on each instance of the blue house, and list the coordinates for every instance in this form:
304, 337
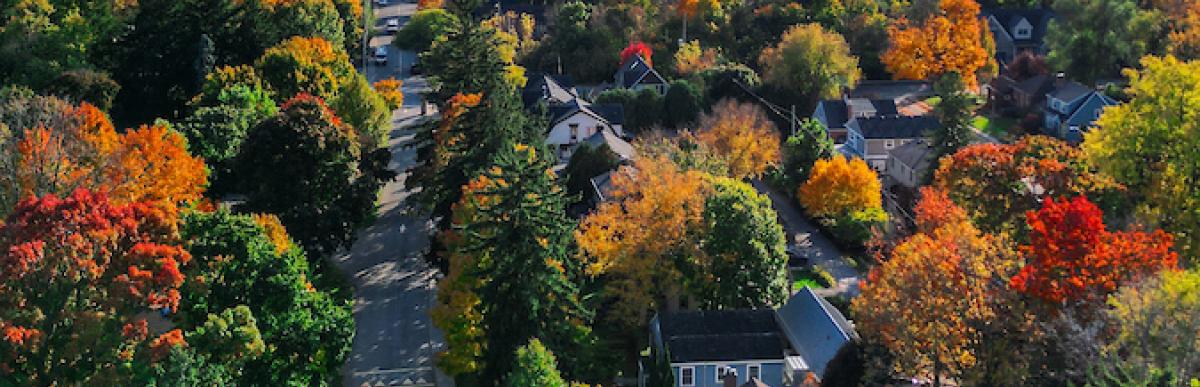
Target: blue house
1072, 108
775, 348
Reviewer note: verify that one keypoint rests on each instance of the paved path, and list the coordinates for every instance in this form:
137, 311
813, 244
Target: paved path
819, 249
394, 342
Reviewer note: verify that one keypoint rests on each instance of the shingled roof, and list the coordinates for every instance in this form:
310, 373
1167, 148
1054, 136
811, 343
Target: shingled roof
1008, 18
723, 335
893, 126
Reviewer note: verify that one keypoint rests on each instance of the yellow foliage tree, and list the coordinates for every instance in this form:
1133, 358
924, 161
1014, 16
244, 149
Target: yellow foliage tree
839, 186
691, 59
637, 239
430, 4
951, 41
390, 90
742, 134
275, 231
151, 163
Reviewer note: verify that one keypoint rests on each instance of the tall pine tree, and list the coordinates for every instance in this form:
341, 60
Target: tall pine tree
530, 279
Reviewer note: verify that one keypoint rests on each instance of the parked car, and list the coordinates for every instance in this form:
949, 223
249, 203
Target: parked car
393, 25
380, 57
381, 2
796, 257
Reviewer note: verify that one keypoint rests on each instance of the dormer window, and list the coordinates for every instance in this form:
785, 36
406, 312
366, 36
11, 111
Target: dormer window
1023, 33
1023, 30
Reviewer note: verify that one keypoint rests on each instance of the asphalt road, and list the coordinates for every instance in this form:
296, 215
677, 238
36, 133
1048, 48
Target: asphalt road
819, 249
394, 342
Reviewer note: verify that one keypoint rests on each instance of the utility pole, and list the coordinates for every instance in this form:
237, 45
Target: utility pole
793, 121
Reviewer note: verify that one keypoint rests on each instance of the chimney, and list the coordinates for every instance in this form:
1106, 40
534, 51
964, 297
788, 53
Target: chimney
1060, 79
730, 377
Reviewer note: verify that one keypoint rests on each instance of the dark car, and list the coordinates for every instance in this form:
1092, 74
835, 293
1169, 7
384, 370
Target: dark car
796, 257
416, 67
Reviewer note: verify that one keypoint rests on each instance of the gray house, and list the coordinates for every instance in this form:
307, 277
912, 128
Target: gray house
871, 138
1072, 108
635, 74
834, 114
778, 348
1016, 30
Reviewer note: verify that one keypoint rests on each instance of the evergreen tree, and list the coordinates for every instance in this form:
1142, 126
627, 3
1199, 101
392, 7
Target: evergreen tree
954, 113
535, 366
809, 144
530, 286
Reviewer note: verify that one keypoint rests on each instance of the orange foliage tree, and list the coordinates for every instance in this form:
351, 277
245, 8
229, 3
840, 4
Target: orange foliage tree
1072, 257
930, 300
390, 90
639, 48
74, 271
838, 186
430, 4
637, 239
304, 65
952, 41
742, 134
81, 149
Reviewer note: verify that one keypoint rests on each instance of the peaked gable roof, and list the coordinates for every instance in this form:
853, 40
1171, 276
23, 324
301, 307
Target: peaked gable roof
815, 328
1009, 18
1070, 91
1082, 116
634, 70
893, 126
837, 111
917, 154
723, 335
608, 114
551, 88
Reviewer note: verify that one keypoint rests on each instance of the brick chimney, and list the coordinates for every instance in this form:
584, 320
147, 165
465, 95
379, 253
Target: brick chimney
730, 377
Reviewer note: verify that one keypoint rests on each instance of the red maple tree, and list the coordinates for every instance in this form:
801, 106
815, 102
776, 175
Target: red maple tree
638, 48
1072, 257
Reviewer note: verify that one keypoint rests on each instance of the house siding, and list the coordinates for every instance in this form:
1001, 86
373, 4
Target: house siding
560, 133
771, 374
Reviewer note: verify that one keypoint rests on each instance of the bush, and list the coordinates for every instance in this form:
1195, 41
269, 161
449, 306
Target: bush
854, 228
643, 109
681, 105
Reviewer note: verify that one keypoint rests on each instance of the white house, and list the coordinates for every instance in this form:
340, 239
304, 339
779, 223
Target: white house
576, 121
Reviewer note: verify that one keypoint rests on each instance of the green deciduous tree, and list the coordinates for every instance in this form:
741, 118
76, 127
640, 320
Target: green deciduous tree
216, 131
643, 108
810, 63
746, 264
1090, 40
681, 104
535, 366
1156, 324
802, 149
1147, 145
954, 113
365, 110
425, 27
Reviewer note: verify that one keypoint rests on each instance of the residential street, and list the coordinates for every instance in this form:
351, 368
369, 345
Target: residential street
394, 342
819, 249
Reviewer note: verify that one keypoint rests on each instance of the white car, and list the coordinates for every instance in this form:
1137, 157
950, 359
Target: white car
393, 25
380, 57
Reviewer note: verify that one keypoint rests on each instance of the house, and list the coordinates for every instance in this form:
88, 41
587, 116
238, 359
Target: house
871, 138
777, 347
635, 74
1016, 30
907, 164
578, 120
1006, 93
834, 114
550, 89
1071, 108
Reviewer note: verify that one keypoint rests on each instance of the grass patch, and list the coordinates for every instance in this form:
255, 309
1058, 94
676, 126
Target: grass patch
933, 101
813, 277
997, 127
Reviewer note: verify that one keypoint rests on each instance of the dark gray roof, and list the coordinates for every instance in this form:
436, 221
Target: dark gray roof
635, 68
723, 335
837, 112
1039, 18
1069, 91
1085, 114
552, 89
916, 154
602, 186
1037, 85
894, 126
614, 113
613, 142
815, 328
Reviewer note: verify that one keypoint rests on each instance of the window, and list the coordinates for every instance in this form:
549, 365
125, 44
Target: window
752, 372
1098, 111
889, 143
687, 376
1022, 32
722, 370
574, 132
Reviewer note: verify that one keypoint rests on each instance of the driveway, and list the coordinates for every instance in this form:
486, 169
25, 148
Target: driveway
395, 341
820, 250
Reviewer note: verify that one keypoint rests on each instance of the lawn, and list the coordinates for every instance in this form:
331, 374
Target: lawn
809, 277
997, 127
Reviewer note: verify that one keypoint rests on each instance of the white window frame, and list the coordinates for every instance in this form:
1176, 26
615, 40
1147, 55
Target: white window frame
753, 371
1023, 33
692, 370
717, 374
574, 132
889, 143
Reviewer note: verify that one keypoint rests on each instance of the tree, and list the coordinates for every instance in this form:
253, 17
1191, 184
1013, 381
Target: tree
391, 91
681, 104
803, 149
1182, 19
930, 302
587, 162
722, 81
638, 48
1155, 323
79, 86
535, 366
950, 41
997, 184
305, 65
746, 266
426, 26
839, 186
954, 114
530, 279
1142, 145
743, 135
76, 270
810, 63
1027, 65
1072, 257
430, 4
216, 132
1082, 44
685, 151
151, 163
691, 59
364, 110
643, 108
238, 263
642, 240
306, 166
277, 21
